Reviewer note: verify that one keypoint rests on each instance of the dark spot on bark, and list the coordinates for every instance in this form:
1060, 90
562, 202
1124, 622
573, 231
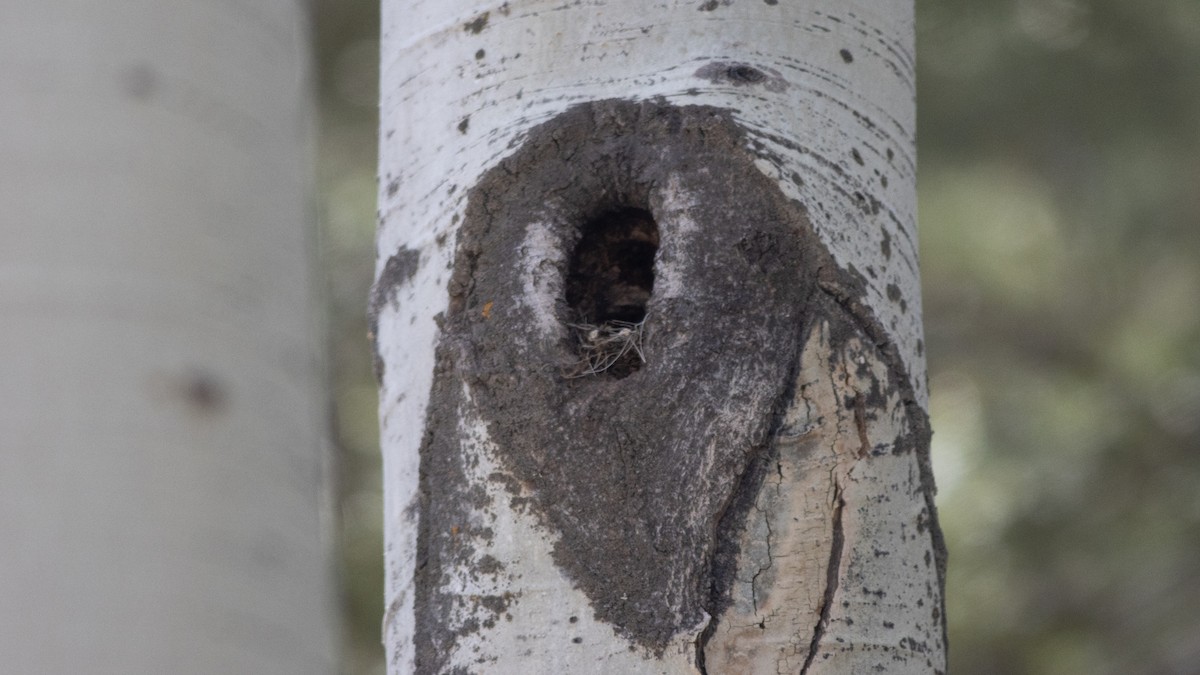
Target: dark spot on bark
893, 292
890, 155
741, 74
577, 640
204, 392
886, 245
709, 6
771, 2
140, 81
497, 604
847, 56
883, 180
857, 156
574, 619
477, 24
479, 54
464, 124
393, 187
920, 347
868, 203
488, 564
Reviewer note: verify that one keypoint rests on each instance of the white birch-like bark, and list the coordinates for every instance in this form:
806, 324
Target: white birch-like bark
162, 433
462, 82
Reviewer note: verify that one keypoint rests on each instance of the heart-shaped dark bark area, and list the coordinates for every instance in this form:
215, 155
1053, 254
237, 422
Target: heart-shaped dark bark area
634, 472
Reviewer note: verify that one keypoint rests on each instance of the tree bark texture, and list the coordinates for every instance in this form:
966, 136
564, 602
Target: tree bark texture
745, 487
162, 432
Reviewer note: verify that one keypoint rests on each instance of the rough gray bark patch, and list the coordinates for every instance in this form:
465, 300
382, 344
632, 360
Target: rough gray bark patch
642, 477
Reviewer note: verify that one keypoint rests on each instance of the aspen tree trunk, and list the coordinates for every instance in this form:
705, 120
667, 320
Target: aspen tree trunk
162, 429
647, 319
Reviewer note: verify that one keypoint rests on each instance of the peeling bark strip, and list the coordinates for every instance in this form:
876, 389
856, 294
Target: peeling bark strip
647, 480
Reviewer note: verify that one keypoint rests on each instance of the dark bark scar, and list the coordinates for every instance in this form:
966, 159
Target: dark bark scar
646, 479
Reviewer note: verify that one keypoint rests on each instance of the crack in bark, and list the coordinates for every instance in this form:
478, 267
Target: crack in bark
755, 472
846, 290
770, 559
831, 581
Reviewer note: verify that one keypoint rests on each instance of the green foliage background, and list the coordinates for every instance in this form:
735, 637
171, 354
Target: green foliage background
1060, 227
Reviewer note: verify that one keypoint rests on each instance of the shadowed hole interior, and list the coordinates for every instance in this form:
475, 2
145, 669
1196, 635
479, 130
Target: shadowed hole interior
609, 282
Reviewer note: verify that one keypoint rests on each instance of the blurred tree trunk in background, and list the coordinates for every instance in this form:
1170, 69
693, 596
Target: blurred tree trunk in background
647, 321
161, 427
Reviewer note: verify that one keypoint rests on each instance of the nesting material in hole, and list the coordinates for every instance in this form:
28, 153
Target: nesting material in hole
611, 347
609, 283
